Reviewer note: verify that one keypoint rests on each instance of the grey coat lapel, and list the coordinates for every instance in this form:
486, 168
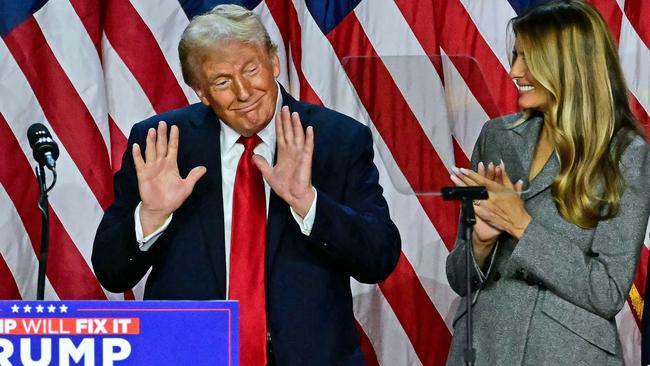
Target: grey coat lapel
521, 143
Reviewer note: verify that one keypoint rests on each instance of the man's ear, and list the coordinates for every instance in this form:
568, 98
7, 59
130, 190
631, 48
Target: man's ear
201, 94
275, 61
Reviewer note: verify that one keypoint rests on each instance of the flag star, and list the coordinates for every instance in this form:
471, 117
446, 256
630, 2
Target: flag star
39, 308
51, 309
15, 308
27, 309
63, 308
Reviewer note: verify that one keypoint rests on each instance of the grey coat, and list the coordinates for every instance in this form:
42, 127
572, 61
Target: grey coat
551, 297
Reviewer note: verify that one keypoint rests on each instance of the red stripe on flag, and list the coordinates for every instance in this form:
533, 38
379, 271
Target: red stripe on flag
459, 155
642, 271
421, 19
66, 269
8, 287
417, 314
63, 107
438, 26
612, 14
286, 18
639, 15
118, 144
88, 12
641, 114
397, 125
366, 347
138, 48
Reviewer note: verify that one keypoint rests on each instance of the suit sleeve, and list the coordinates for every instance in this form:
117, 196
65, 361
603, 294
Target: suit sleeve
455, 264
117, 260
600, 280
357, 231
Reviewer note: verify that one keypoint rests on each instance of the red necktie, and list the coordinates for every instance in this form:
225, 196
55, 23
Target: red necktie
247, 252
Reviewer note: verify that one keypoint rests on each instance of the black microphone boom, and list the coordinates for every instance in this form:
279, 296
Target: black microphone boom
45, 149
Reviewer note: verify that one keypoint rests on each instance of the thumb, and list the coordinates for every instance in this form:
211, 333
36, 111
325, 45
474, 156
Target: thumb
263, 166
195, 174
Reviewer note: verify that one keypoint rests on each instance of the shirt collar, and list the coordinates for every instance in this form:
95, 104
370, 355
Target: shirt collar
229, 136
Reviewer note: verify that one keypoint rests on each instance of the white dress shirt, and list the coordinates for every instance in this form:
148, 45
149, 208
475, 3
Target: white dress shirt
231, 152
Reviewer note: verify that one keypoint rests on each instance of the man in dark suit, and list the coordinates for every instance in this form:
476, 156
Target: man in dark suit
317, 219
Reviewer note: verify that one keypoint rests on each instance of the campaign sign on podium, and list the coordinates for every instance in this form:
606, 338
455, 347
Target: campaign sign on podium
119, 333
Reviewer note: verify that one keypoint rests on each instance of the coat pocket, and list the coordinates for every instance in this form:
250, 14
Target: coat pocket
594, 329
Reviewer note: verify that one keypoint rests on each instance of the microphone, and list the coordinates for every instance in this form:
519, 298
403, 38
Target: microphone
45, 149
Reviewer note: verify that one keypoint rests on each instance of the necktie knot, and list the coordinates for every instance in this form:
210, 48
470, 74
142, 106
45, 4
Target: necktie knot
249, 142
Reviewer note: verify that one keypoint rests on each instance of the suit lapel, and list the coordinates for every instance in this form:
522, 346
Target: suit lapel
519, 151
206, 150
278, 208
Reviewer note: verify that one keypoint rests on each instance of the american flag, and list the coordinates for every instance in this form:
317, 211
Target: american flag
423, 74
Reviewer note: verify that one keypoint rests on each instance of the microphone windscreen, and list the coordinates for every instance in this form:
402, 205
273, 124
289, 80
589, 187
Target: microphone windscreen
35, 132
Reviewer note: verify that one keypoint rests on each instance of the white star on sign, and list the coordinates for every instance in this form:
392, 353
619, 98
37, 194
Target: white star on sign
63, 308
15, 308
39, 308
27, 309
51, 309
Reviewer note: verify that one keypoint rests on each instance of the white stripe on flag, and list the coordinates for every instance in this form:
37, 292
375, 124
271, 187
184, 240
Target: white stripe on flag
634, 57
17, 251
382, 327
491, 19
167, 21
127, 102
401, 53
77, 55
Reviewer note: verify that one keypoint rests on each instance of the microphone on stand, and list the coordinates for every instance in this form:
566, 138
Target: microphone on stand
45, 149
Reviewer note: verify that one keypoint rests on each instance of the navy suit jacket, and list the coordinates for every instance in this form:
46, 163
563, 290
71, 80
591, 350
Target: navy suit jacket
309, 302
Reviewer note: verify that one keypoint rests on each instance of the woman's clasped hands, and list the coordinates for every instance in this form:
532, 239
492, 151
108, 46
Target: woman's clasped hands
504, 211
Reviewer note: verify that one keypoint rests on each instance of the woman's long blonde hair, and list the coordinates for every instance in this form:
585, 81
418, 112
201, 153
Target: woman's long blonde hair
570, 52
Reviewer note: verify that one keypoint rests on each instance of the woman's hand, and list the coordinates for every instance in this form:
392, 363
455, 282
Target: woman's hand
484, 235
504, 210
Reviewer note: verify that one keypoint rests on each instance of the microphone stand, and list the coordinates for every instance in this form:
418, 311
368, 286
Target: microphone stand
43, 206
467, 195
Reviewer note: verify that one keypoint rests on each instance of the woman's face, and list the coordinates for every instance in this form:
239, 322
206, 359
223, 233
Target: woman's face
532, 95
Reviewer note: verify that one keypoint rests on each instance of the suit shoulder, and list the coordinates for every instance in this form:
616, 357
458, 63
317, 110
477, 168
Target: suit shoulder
180, 116
337, 123
502, 122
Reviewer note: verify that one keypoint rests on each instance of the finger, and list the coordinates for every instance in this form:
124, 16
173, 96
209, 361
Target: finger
457, 181
161, 141
286, 126
519, 186
263, 166
505, 179
481, 168
137, 158
491, 171
478, 179
279, 127
150, 147
172, 148
194, 175
309, 142
463, 178
298, 132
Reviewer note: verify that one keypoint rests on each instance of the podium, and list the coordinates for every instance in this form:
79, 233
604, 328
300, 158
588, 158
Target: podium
119, 333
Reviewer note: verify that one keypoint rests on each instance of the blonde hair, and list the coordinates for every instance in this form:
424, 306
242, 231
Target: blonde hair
224, 23
570, 52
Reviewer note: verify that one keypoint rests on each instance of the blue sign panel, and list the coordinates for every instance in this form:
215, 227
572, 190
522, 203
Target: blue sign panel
119, 333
